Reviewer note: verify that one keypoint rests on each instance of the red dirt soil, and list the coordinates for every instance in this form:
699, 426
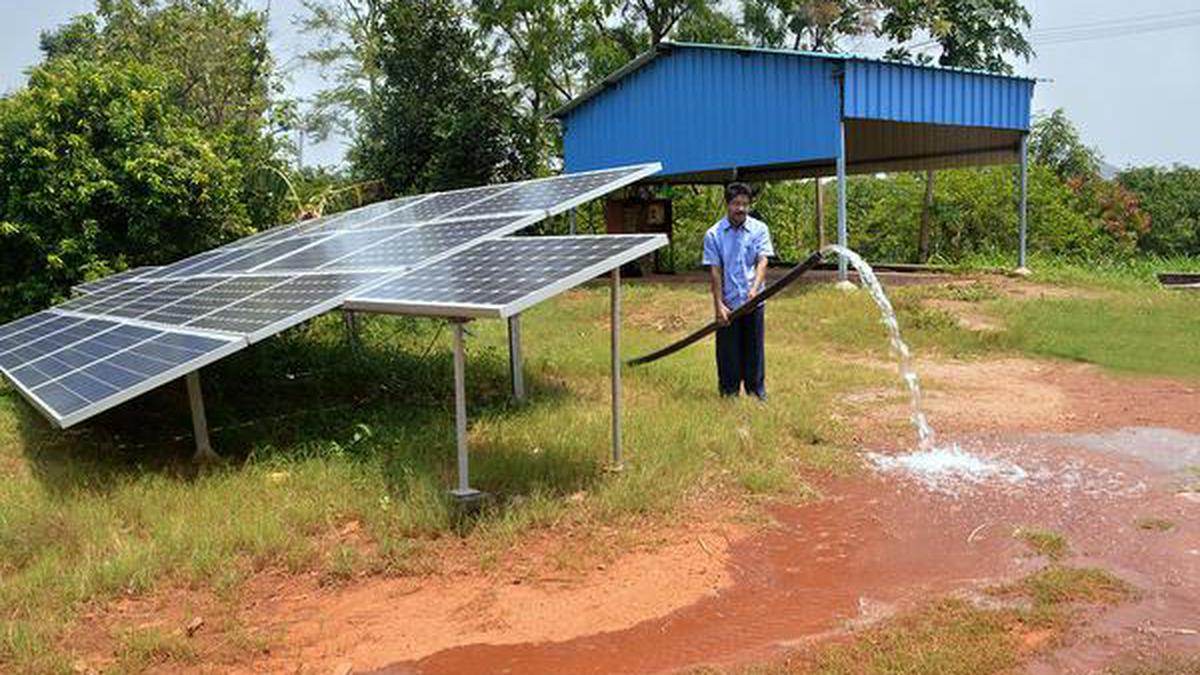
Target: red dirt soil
877, 545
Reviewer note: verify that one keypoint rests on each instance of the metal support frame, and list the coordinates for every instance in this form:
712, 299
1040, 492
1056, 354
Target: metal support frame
1023, 203
464, 490
571, 218
350, 319
843, 264
617, 461
515, 366
204, 453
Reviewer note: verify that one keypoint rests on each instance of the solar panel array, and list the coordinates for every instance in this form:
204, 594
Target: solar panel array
502, 277
131, 332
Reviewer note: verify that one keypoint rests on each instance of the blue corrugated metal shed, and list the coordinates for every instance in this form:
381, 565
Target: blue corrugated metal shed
708, 112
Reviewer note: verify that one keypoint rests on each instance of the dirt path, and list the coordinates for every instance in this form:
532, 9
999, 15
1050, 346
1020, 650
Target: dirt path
1098, 455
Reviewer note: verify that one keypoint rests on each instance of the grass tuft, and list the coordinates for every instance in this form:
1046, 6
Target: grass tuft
1044, 542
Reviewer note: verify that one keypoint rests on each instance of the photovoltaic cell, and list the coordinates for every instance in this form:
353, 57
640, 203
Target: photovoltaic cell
496, 273
158, 295
93, 286
182, 265
441, 205
101, 296
299, 298
23, 324
39, 331
417, 244
360, 217
81, 354
264, 254
213, 298
547, 193
107, 382
338, 246
53, 342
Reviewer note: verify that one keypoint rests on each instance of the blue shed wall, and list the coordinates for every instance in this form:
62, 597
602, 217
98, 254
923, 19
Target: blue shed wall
888, 91
704, 110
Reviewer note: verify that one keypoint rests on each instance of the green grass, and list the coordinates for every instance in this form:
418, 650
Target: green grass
1044, 542
338, 463
1149, 332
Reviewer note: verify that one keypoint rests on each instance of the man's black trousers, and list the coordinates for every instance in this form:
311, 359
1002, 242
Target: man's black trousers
741, 360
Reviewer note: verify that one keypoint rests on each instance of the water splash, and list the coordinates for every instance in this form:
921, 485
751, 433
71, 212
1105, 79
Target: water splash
925, 434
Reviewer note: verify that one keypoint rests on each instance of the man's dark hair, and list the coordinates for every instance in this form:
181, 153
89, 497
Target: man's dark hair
734, 189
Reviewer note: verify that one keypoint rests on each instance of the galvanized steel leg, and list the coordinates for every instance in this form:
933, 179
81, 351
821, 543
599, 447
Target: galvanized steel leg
350, 319
463, 491
1023, 204
514, 357
617, 461
204, 452
843, 263
571, 222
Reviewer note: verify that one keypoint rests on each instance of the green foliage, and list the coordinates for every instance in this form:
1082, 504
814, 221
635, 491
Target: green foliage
1171, 198
971, 33
1054, 143
440, 119
814, 25
99, 171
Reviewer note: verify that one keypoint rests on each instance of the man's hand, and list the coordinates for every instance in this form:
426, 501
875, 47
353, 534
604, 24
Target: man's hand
722, 313
752, 294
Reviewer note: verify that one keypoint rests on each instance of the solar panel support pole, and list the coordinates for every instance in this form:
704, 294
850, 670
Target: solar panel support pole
463, 491
571, 222
1023, 204
617, 461
515, 364
204, 452
841, 221
351, 321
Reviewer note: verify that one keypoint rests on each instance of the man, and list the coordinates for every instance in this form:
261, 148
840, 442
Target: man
736, 251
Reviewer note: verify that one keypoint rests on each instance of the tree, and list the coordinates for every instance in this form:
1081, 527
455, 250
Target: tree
814, 25
440, 119
1171, 199
1054, 142
349, 36
218, 70
99, 170
971, 34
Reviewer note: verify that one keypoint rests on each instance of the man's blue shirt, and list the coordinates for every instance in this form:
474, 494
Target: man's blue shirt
737, 250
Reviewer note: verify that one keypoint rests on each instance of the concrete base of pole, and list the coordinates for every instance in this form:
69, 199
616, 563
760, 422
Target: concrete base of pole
1022, 271
846, 285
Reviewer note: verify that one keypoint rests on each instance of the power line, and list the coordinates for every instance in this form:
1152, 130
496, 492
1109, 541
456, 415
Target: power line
1107, 28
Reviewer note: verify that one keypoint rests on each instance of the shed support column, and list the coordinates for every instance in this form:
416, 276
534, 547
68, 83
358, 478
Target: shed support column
617, 461
515, 366
463, 491
571, 218
841, 179
204, 452
1023, 204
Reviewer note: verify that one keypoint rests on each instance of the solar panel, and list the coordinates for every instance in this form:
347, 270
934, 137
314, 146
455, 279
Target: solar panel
501, 277
93, 286
421, 243
359, 217
334, 248
157, 295
556, 194
133, 332
211, 299
125, 374
285, 305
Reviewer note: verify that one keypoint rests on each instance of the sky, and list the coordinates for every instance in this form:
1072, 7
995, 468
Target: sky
1134, 96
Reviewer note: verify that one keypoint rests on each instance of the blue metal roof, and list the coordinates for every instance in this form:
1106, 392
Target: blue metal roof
707, 108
